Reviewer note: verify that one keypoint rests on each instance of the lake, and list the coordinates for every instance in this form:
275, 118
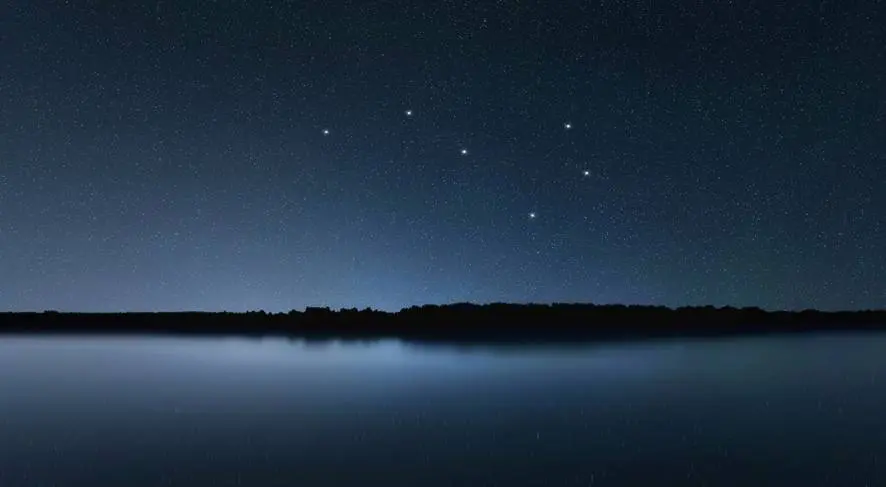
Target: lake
157, 411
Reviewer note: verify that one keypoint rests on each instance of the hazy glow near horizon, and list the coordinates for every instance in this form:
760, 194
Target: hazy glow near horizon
156, 157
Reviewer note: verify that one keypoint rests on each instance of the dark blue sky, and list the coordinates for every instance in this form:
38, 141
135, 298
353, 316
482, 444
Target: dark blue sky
271, 155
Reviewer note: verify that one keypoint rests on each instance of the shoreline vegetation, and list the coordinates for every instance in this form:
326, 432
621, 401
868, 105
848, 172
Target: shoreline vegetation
463, 322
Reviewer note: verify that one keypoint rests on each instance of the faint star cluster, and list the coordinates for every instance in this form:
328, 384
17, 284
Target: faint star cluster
164, 157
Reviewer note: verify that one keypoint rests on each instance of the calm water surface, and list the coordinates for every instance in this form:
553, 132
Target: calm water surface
149, 411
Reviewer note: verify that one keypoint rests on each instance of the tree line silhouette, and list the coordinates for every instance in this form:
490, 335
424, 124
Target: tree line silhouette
458, 322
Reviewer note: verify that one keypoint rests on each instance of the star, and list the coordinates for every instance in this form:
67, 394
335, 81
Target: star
464, 152
586, 173
532, 215
408, 113
325, 131
567, 126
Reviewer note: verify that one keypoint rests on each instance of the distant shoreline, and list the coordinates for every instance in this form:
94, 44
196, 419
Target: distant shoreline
457, 322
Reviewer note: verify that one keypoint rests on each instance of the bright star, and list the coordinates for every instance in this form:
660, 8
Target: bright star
464, 152
586, 173
408, 113
567, 125
532, 215
325, 131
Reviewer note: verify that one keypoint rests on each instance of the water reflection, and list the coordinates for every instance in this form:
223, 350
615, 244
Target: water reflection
230, 411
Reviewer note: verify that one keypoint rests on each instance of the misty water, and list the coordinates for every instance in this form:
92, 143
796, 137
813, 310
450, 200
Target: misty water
151, 411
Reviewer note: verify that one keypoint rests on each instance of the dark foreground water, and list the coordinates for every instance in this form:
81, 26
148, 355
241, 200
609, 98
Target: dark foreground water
146, 411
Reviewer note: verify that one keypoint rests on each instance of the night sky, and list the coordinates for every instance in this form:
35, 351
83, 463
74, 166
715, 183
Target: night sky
238, 155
